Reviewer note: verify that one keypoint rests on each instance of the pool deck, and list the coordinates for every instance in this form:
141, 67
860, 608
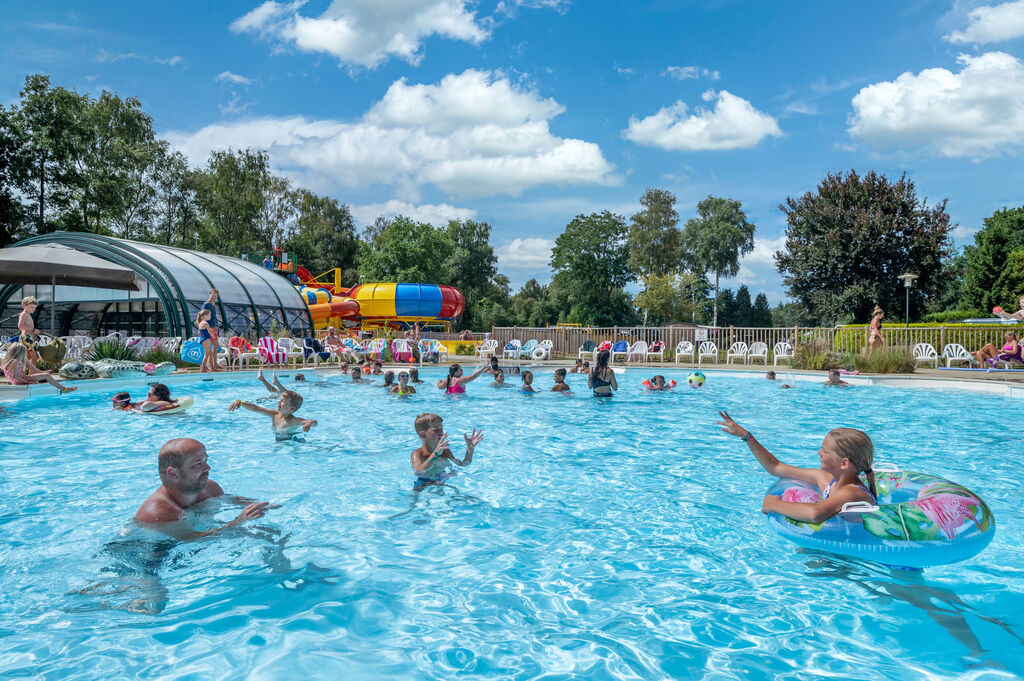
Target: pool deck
997, 382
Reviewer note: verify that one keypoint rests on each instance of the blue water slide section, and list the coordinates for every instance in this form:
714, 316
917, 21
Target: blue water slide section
417, 300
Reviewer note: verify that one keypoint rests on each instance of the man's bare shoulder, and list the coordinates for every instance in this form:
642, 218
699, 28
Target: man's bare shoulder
158, 508
211, 490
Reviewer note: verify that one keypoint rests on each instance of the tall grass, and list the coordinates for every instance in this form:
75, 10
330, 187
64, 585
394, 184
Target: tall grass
816, 355
158, 355
111, 349
894, 360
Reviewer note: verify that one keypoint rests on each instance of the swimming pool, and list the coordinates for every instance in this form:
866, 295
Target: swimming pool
592, 539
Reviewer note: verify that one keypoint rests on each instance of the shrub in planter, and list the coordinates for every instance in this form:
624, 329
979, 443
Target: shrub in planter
111, 349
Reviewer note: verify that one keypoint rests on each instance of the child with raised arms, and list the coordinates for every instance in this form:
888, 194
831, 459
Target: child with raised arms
284, 421
433, 459
845, 453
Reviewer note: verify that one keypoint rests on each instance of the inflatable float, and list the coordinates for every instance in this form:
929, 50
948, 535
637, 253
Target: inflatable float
920, 521
180, 405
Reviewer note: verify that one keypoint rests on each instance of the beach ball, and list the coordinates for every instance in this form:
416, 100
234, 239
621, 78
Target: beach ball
149, 367
997, 310
696, 379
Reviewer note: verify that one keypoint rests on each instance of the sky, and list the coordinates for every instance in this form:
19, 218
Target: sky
526, 113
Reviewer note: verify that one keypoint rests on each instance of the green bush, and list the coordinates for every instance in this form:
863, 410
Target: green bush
816, 355
465, 349
952, 316
111, 349
885, 361
158, 355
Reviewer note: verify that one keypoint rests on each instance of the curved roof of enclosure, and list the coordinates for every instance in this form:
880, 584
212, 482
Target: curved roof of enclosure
250, 297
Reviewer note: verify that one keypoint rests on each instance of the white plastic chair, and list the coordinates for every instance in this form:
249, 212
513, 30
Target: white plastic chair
376, 347
684, 349
511, 349
759, 351
638, 349
924, 352
543, 350
224, 351
428, 345
292, 351
170, 344
527, 348
737, 349
659, 353
586, 350
487, 348
782, 350
954, 352
707, 349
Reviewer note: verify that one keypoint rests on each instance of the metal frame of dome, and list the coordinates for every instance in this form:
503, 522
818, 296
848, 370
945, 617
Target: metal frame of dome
163, 274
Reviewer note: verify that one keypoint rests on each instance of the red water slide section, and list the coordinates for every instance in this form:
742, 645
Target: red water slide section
307, 279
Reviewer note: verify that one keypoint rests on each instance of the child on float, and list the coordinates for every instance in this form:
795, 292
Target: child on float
122, 401
433, 459
658, 383
455, 382
845, 453
19, 370
403, 387
560, 385
528, 382
157, 399
284, 421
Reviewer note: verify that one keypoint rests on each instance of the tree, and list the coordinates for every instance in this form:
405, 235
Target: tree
848, 241
406, 251
591, 264
791, 314
985, 259
12, 214
230, 194
761, 314
1009, 288
725, 303
667, 297
654, 241
742, 308
717, 238
323, 236
472, 266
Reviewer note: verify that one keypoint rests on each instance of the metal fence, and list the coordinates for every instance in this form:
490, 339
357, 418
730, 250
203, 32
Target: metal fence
567, 341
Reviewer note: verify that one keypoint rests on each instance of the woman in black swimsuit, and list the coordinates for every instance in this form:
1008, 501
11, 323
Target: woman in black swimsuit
602, 378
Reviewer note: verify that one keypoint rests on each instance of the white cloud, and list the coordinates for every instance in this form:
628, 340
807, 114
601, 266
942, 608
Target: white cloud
624, 70
106, 57
992, 24
471, 134
365, 33
690, 73
437, 215
510, 6
525, 253
974, 113
733, 124
228, 77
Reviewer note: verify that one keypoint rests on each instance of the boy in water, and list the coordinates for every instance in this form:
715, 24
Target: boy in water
284, 421
771, 377
357, 375
499, 379
378, 367
578, 368
389, 378
432, 460
560, 385
414, 375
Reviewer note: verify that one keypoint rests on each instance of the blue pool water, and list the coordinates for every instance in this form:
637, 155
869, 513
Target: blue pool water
590, 539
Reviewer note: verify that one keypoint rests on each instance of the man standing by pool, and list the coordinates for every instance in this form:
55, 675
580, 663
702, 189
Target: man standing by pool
210, 345
185, 478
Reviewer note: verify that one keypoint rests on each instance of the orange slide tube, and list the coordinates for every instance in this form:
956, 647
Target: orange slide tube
346, 308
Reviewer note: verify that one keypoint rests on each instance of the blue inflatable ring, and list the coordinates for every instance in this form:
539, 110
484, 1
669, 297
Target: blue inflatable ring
920, 521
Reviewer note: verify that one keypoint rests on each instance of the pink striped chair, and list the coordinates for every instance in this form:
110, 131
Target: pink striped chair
270, 351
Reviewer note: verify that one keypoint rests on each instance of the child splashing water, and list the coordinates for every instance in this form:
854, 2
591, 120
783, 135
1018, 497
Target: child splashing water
284, 421
432, 460
845, 453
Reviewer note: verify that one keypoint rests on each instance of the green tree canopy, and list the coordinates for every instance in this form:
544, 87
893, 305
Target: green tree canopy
404, 250
472, 268
667, 298
654, 241
761, 314
716, 239
742, 307
324, 236
985, 260
591, 264
847, 242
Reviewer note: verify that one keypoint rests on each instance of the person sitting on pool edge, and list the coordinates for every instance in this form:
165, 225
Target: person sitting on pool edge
770, 376
402, 387
560, 385
158, 398
432, 460
845, 453
835, 379
284, 421
185, 482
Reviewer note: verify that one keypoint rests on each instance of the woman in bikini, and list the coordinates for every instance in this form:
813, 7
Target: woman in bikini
990, 354
455, 382
602, 378
875, 338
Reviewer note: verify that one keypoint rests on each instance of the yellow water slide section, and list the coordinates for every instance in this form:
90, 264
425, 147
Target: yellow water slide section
376, 300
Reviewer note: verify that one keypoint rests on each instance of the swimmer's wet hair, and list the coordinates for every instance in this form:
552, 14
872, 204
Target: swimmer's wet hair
300, 377
770, 375
427, 420
560, 372
162, 392
172, 454
293, 398
389, 377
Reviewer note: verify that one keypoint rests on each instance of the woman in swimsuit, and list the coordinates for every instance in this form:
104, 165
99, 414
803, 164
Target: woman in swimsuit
455, 382
602, 378
403, 387
20, 371
206, 335
875, 338
990, 353
845, 453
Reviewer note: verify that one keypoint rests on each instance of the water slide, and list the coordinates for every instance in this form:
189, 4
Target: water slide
381, 302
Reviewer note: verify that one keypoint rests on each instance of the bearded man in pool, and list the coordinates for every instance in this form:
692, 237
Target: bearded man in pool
185, 478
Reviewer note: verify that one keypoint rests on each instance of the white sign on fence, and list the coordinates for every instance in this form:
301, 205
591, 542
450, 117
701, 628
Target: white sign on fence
700, 334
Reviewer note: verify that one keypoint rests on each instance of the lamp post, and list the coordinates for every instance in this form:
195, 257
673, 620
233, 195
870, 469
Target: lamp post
908, 281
